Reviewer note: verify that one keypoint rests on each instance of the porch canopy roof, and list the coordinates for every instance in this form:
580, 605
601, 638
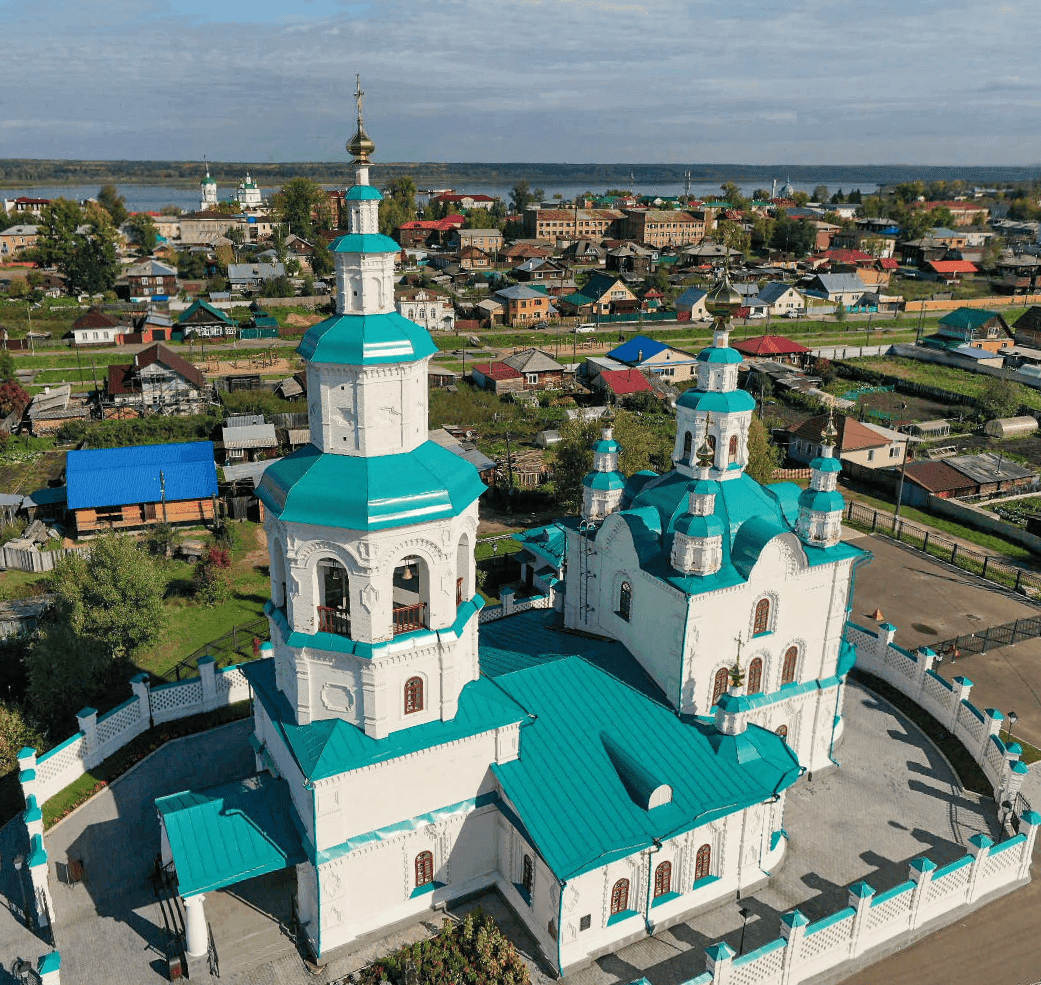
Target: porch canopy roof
225, 834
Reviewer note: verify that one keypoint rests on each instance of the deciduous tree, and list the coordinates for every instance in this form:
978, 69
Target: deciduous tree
113, 203
144, 231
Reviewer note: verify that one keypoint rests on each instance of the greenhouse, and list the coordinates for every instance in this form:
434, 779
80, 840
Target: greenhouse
1010, 427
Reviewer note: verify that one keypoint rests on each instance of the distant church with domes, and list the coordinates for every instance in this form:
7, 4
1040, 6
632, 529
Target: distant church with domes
611, 765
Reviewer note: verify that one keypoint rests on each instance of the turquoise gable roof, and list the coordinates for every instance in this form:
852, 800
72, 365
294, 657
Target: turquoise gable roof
355, 493
332, 746
231, 832
361, 340
717, 403
364, 243
580, 782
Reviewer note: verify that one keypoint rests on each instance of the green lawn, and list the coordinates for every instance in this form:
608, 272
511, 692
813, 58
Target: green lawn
189, 625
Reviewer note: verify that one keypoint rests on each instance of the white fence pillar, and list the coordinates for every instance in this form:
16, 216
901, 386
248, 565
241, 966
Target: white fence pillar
1028, 825
979, 848
921, 874
141, 685
33, 817
720, 961
793, 930
962, 688
207, 668
49, 969
27, 772
88, 723
37, 863
860, 896
506, 598
886, 635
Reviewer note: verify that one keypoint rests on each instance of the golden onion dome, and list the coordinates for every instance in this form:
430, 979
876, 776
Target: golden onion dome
723, 301
360, 146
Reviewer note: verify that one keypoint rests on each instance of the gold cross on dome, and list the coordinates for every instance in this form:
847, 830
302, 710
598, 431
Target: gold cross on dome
358, 93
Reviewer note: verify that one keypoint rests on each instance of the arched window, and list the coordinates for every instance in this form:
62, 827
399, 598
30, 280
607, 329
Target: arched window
688, 441
755, 676
663, 879
424, 869
413, 695
625, 600
529, 875
782, 731
712, 444
721, 683
762, 617
791, 658
733, 448
703, 862
620, 897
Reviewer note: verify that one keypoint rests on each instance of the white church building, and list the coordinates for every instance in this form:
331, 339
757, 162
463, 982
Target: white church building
609, 775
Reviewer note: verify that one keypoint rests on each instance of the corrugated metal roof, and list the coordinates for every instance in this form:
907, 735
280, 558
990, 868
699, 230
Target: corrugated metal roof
249, 436
248, 470
987, 467
118, 476
225, 834
366, 339
637, 348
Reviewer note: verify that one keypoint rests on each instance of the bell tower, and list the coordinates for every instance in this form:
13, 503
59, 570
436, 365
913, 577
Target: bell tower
371, 526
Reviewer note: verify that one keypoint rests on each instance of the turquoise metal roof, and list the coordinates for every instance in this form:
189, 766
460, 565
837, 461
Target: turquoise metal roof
732, 402
826, 465
549, 541
364, 243
584, 766
767, 511
718, 354
603, 480
606, 446
822, 502
361, 340
225, 834
699, 526
357, 193
332, 746
356, 493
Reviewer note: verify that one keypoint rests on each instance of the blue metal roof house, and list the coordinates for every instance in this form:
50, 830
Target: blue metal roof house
122, 488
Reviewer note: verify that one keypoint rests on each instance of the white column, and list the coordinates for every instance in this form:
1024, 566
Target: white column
195, 927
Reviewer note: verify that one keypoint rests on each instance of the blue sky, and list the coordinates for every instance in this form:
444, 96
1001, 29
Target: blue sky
687, 81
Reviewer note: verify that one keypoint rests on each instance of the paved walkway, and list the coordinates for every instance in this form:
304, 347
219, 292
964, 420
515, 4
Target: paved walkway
893, 799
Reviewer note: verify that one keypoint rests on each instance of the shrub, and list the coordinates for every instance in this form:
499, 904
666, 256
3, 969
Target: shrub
212, 577
474, 951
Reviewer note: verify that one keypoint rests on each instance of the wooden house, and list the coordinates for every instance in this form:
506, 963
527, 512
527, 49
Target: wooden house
123, 488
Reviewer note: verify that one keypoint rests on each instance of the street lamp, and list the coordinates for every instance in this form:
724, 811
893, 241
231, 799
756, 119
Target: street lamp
1012, 719
1006, 810
744, 912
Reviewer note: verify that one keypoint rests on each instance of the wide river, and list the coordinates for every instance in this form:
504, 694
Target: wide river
151, 198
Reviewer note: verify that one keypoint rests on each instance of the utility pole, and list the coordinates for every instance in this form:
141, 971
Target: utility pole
162, 491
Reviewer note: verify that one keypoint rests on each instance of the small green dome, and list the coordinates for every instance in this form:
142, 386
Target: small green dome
714, 354
358, 193
821, 502
826, 465
699, 526
606, 446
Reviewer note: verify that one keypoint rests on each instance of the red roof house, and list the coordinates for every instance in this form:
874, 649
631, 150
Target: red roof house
622, 383
498, 377
769, 347
950, 271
